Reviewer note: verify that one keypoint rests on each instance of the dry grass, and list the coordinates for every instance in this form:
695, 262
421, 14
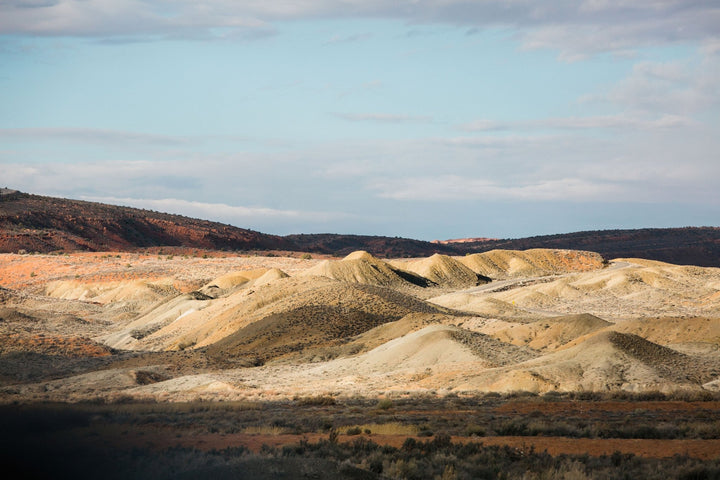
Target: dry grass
390, 428
265, 430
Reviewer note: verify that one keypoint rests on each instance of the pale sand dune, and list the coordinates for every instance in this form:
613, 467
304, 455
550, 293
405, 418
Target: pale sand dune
425, 348
371, 339
109, 292
673, 330
230, 282
445, 271
531, 263
360, 267
132, 335
432, 347
432, 359
294, 298
415, 355
623, 291
603, 361
552, 333
268, 277
556, 320
485, 305
427, 360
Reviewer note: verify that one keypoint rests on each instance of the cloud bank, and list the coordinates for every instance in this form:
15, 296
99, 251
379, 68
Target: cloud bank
575, 28
387, 143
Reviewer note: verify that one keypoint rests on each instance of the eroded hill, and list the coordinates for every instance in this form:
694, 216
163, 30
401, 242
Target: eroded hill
81, 326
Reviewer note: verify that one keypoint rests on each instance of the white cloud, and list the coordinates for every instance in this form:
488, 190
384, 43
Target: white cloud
92, 135
359, 181
619, 121
674, 88
215, 210
574, 28
356, 37
107, 18
454, 187
502, 142
120, 138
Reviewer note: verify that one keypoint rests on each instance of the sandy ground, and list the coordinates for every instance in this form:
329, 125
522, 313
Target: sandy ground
648, 448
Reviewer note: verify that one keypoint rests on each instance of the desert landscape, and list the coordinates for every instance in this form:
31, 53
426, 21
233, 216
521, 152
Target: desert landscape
182, 328
562, 352
417, 240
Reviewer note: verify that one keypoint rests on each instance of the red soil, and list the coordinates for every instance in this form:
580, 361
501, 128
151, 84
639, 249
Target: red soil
600, 408
54, 345
696, 448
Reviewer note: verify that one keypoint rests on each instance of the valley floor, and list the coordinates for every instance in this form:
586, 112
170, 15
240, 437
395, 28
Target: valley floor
526, 436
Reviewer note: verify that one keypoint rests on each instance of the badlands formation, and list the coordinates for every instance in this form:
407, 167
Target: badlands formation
173, 328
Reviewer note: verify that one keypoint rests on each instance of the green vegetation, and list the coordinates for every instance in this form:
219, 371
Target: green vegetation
384, 404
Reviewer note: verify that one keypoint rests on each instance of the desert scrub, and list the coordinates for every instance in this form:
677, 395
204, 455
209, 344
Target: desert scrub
185, 345
266, 430
140, 333
322, 400
390, 428
384, 404
475, 430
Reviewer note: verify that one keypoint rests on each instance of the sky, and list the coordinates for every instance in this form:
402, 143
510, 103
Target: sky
429, 119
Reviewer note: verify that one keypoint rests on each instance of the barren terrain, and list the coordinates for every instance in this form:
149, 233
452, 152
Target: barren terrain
182, 326
249, 327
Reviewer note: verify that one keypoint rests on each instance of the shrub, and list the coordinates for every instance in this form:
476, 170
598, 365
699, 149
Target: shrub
391, 428
321, 400
186, 344
475, 430
385, 404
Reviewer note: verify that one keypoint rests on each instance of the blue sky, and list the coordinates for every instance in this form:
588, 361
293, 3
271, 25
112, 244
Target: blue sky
428, 119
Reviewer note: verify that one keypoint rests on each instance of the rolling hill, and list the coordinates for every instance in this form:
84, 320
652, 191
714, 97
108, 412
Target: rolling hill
46, 224
36, 223
253, 327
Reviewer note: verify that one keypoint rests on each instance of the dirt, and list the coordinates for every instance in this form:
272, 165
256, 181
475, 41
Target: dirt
189, 269
161, 440
601, 408
75, 347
